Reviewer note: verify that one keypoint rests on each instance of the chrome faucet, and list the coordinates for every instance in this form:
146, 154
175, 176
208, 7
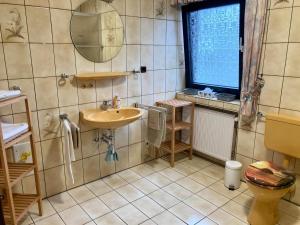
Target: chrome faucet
114, 103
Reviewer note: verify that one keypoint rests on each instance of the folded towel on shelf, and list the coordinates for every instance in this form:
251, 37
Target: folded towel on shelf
5, 94
69, 149
10, 130
157, 117
75, 134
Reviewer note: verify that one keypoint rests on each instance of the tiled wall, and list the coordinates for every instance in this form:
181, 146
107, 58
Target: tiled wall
36, 62
281, 70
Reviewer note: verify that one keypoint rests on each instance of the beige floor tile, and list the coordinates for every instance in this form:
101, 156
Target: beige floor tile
163, 198
114, 181
186, 213
236, 210
223, 218
130, 215
244, 200
74, 216
48, 210
221, 189
167, 218
158, 179
129, 176
148, 222
202, 178
158, 164
81, 194
185, 169
143, 170
62, 201
149, 207
206, 221
190, 184
285, 219
26, 220
113, 200
90, 223
171, 174
289, 208
130, 193
98, 187
178, 191
214, 171
54, 219
197, 163
109, 219
95, 208
145, 186
200, 204
213, 197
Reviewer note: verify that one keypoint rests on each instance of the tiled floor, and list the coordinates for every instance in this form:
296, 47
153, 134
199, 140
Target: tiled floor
153, 193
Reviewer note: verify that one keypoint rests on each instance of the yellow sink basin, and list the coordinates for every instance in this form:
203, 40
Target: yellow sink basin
111, 118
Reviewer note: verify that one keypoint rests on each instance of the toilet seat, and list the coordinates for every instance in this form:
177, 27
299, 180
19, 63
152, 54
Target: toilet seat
267, 175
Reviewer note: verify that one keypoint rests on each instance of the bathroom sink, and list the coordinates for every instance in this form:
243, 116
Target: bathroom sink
111, 118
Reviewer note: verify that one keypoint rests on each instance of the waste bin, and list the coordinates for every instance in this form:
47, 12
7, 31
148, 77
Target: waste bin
233, 175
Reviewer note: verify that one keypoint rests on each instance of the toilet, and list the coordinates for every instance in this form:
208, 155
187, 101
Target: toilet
267, 181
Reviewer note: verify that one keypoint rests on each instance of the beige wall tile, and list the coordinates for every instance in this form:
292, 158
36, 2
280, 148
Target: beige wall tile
160, 29
147, 8
86, 91
44, 3
296, 2
104, 90
76, 3
21, 2
106, 168
245, 144
39, 25
89, 146
121, 136
172, 12
295, 31
135, 132
159, 57
42, 60
274, 61
135, 154
123, 155
172, 28
64, 59
158, 13
273, 4
171, 57
119, 6
159, 81
67, 92
52, 153
260, 123
291, 93
171, 80
77, 169
133, 31
61, 26
49, 99
7, 15
260, 151
147, 56
28, 184
120, 87
3, 74
83, 65
147, 83
147, 31
119, 62
58, 185
66, 4
279, 25
133, 57
293, 61
49, 124
91, 168
18, 60
133, 8
270, 95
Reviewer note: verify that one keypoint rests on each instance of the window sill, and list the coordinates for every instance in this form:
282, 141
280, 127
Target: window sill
233, 106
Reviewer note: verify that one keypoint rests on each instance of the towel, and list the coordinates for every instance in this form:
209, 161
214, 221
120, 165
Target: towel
4, 94
154, 119
69, 149
156, 136
10, 130
75, 134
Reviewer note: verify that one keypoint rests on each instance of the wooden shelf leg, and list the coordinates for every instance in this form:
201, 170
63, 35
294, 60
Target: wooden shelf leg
34, 159
173, 137
191, 131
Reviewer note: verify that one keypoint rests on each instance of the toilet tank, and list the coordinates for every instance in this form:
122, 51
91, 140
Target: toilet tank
282, 134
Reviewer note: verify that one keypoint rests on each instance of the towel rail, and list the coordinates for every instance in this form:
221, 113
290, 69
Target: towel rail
64, 116
146, 107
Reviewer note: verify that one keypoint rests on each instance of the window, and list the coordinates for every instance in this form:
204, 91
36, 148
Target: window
213, 36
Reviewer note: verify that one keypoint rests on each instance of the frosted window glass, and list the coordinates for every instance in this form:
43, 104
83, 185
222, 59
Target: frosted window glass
214, 39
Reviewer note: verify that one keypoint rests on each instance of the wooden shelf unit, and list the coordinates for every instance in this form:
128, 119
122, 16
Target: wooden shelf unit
15, 206
175, 146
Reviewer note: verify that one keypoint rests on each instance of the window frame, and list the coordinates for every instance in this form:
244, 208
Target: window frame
195, 6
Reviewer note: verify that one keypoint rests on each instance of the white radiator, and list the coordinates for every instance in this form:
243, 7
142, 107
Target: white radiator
214, 133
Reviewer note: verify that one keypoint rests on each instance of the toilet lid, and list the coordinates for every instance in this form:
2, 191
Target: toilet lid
269, 175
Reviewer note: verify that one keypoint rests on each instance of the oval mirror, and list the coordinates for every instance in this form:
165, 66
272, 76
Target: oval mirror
97, 31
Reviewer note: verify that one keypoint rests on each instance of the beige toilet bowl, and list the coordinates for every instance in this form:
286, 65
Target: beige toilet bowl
264, 209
